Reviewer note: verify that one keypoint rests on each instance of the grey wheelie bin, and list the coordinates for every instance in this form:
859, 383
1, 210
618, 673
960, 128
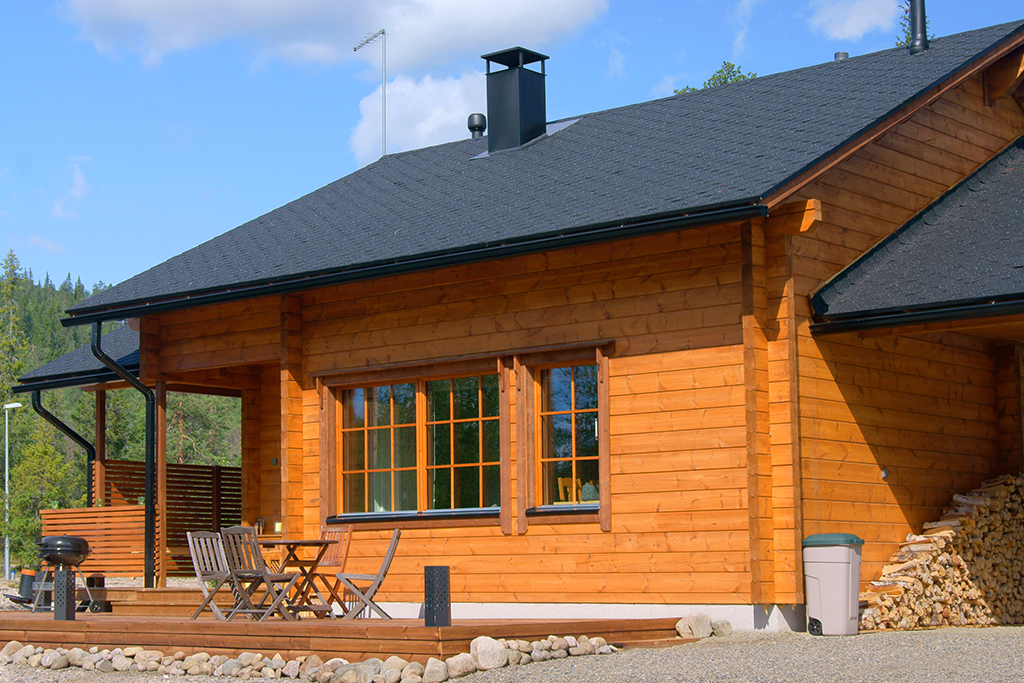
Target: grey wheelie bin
832, 582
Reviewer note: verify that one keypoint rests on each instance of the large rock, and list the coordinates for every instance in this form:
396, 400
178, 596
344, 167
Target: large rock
76, 656
393, 662
694, 626
10, 648
436, 671
487, 653
291, 670
460, 665
412, 669
721, 629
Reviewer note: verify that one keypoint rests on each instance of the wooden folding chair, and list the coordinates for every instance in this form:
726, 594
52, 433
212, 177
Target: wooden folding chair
365, 596
210, 565
249, 573
334, 559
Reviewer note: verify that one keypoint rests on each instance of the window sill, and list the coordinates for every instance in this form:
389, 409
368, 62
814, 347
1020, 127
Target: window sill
566, 514
427, 518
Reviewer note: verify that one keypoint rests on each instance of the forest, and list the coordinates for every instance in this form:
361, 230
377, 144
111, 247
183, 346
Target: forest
47, 470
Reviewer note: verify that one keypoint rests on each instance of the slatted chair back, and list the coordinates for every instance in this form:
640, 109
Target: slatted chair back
210, 565
365, 596
336, 554
243, 550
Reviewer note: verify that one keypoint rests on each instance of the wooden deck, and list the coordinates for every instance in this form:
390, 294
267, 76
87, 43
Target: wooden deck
353, 640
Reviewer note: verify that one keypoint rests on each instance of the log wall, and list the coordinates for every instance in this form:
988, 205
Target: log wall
922, 407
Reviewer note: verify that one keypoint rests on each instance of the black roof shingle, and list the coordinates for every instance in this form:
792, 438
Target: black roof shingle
726, 146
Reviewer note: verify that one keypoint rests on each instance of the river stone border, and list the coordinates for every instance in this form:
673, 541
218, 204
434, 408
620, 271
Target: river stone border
485, 653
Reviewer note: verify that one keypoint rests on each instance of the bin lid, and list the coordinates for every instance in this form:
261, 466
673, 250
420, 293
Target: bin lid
832, 539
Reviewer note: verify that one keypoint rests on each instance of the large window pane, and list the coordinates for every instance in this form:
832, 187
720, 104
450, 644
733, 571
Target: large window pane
379, 406
439, 443
467, 398
492, 486
380, 449
586, 435
380, 491
353, 401
405, 447
405, 490
557, 389
440, 493
439, 401
355, 492
586, 387
467, 487
491, 441
586, 473
354, 446
558, 436
467, 442
405, 404
491, 393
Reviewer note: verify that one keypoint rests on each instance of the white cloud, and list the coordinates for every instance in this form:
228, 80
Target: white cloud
616, 64
420, 32
741, 20
421, 112
667, 85
852, 19
48, 245
77, 191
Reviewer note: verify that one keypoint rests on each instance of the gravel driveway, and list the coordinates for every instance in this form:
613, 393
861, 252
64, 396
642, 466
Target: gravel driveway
951, 655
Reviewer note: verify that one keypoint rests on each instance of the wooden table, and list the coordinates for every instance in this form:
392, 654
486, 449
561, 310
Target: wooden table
305, 589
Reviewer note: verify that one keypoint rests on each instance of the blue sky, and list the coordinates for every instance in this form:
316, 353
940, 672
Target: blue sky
131, 131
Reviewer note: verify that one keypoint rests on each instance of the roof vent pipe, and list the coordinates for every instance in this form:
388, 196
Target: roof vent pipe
918, 28
477, 125
515, 99
842, 56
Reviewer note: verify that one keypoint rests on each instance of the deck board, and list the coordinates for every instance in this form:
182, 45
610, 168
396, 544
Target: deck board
352, 640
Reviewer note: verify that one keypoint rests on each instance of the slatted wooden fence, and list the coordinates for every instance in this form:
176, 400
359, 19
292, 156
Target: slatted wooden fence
199, 498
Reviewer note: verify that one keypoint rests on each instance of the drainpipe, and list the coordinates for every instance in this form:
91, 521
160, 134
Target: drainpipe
150, 549
37, 405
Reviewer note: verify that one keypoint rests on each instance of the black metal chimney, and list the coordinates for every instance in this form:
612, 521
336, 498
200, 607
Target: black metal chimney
516, 110
918, 28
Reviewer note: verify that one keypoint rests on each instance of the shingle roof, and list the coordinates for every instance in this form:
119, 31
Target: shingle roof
82, 367
966, 249
726, 146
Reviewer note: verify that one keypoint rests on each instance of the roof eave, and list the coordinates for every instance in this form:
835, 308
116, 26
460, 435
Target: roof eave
861, 321
708, 215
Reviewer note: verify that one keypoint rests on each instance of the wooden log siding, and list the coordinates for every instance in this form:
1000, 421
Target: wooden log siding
924, 408
679, 465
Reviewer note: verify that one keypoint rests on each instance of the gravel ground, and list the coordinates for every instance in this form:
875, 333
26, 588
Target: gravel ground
952, 655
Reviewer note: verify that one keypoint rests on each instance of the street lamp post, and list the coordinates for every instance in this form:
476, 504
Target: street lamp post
7, 471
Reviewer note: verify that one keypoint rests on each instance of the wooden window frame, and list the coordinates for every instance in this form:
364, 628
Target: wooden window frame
330, 388
528, 401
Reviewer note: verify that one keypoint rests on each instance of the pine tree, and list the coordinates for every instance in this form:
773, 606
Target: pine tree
13, 345
727, 73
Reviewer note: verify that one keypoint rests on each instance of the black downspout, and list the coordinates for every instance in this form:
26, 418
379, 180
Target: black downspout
37, 405
150, 550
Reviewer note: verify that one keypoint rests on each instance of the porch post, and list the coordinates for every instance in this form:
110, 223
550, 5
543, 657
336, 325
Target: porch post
161, 482
98, 494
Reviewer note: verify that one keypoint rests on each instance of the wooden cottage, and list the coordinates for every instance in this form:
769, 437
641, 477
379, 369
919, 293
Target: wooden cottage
578, 362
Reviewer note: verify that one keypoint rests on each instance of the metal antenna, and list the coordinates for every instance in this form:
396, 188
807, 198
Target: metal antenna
383, 85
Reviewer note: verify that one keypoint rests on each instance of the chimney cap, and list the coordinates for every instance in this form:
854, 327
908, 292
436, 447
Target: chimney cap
842, 56
515, 56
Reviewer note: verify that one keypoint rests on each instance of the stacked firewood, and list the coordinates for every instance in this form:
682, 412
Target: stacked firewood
965, 569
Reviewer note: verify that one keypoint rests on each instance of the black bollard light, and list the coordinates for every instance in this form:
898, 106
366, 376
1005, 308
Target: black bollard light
437, 598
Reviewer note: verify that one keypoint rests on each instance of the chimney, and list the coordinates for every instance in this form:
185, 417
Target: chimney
918, 28
515, 99
842, 56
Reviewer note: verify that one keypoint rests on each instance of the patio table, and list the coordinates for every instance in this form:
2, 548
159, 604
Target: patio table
305, 589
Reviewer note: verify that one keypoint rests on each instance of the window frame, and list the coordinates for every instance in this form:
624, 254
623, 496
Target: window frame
528, 367
330, 389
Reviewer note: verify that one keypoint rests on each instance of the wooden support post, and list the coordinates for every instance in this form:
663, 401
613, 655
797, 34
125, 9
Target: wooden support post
755, 372
161, 484
290, 459
1008, 379
99, 479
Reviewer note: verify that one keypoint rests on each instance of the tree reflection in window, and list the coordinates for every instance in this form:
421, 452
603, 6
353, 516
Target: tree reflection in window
568, 439
463, 447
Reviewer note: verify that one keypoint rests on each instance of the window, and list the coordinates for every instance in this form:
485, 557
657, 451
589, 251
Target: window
422, 445
569, 435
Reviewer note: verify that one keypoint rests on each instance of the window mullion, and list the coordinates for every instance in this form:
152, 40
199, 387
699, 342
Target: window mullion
422, 500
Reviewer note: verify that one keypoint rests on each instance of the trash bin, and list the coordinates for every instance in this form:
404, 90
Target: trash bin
832, 582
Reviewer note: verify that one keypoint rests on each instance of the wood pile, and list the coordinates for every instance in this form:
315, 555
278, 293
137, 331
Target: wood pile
965, 569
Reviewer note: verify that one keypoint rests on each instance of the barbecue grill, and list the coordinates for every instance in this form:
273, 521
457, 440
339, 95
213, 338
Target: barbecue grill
63, 556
